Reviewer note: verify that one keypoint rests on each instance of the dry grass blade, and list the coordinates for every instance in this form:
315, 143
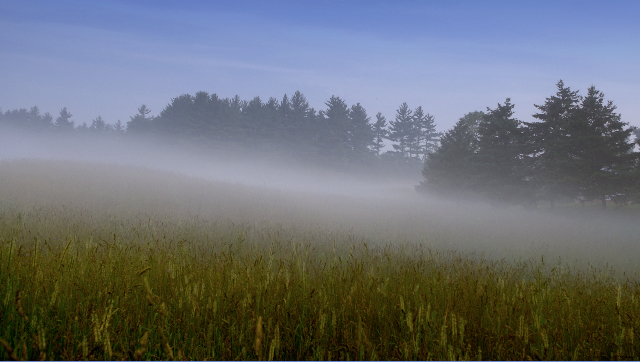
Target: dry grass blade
19, 307
139, 273
9, 350
143, 346
258, 342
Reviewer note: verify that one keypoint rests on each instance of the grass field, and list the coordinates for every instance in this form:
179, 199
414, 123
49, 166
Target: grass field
100, 261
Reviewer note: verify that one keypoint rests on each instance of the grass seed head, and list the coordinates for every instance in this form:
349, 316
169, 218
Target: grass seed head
19, 307
168, 350
258, 342
9, 350
143, 346
139, 273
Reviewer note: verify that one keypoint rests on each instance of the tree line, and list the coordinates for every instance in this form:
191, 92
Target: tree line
339, 135
578, 148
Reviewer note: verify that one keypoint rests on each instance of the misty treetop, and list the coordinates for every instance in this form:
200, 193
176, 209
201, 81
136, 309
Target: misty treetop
578, 149
339, 135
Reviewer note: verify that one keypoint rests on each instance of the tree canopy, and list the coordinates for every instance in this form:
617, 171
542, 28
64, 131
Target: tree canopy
578, 150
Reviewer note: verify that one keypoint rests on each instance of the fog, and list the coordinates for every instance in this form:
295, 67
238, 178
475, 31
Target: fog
247, 167
249, 187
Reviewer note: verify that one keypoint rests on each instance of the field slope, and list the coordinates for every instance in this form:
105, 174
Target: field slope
101, 261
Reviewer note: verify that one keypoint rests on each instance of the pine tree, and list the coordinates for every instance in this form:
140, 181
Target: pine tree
98, 125
498, 164
427, 137
550, 139
335, 131
360, 131
118, 127
380, 133
601, 153
140, 123
83, 128
17, 118
301, 117
271, 123
447, 169
284, 112
401, 129
40, 122
63, 123
253, 116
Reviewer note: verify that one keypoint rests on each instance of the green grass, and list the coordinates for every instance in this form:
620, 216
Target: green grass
104, 262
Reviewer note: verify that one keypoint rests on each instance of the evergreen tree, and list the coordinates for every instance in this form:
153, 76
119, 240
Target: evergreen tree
17, 118
448, 169
254, 118
300, 119
360, 131
284, 111
83, 128
636, 134
63, 122
237, 129
37, 121
118, 127
140, 123
550, 139
601, 151
427, 137
98, 125
335, 131
498, 165
400, 130
380, 133
33, 118
271, 121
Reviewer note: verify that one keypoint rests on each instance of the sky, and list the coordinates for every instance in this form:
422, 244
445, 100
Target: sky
450, 57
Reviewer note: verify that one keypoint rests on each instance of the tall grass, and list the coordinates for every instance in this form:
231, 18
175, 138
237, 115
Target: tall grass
103, 277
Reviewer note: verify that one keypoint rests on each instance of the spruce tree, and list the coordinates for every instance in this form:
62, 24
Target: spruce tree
335, 131
498, 165
601, 152
361, 135
550, 140
447, 170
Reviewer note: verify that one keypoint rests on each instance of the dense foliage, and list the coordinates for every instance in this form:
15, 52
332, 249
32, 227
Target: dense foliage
339, 135
578, 149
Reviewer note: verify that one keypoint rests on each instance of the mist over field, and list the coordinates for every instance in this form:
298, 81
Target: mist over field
143, 177
334, 180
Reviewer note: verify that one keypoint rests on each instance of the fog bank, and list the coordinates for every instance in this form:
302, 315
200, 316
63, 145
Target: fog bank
119, 176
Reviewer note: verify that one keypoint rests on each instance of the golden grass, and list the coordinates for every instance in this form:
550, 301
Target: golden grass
82, 281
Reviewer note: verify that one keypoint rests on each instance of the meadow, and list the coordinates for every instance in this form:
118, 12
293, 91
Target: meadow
113, 262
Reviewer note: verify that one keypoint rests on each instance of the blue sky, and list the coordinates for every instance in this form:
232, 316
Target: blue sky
450, 57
